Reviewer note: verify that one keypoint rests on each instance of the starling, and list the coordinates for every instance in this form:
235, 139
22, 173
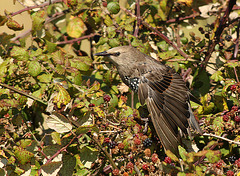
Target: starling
161, 88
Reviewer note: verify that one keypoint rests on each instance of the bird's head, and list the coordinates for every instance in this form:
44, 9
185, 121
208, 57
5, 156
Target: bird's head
121, 55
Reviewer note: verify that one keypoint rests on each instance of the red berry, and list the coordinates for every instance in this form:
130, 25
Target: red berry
115, 172
167, 160
91, 105
237, 118
121, 146
137, 141
154, 158
145, 167
130, 165
104, 3
219, 164
230, 173
106, 140
237, 162
225, 118
233, 87
106, 98
234, 108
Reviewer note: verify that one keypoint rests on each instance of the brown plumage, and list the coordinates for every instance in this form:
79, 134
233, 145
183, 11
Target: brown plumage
161, 88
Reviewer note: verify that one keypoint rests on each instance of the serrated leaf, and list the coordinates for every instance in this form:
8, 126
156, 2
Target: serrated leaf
62, 97
56, 137
217, 76
182, 153
76, 27
51, 168
59, 123
37, 21
22, 155
99, 111
34, 68
108, 21
82, 63
213, 156
88, 156
19, 53
69, 163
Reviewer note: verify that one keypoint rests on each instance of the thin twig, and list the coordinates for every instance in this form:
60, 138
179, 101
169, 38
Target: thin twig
23, 93
35, 6
138, 18
77, 39
223, 138
159, 34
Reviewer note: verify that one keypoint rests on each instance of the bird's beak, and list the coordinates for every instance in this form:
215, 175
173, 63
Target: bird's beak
104, 53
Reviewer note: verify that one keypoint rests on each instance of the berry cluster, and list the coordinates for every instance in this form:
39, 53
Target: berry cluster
233, 114
147, 142
237, 163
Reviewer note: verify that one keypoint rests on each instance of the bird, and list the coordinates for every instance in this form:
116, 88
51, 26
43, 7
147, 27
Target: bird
161, 88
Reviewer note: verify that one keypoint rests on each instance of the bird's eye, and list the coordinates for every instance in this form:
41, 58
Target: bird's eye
116, 54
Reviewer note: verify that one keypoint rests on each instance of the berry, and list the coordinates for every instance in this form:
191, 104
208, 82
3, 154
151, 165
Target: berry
219, 164
147, 152
232, 159
147, 142
237, 162
121, 146
137, 141
234, 108
125, 174
104, 3
106, 98
237, 118
91, 105
233, 87
106, 140
167, 160
230, 173
115, 172
225, 118
145, 167
112, 144
130, 165
154, 158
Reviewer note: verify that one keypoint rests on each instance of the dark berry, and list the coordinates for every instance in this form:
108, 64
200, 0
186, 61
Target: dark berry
232, 159
234, 108
207, 35
237, 118
112, 144
130, 165
230, 173
233, 87
115, 172
91, 105
147, 142
145, 167
167, 160
228, 37
225, 118
137, 141
106, 98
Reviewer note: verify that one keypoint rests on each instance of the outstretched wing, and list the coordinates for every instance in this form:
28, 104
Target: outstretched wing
167, 99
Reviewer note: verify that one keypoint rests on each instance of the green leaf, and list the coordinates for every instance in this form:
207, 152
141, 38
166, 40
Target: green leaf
69, 163
85, 128
171, 155
37, 21
62, 97
51, 168
19, 53
217, 76
22, 155
76, 27
82, 63
34, 68
213, 156
182, 153
108, 21
56, 137
88, 156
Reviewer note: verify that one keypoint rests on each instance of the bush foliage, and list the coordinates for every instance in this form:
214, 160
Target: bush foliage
65, 112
